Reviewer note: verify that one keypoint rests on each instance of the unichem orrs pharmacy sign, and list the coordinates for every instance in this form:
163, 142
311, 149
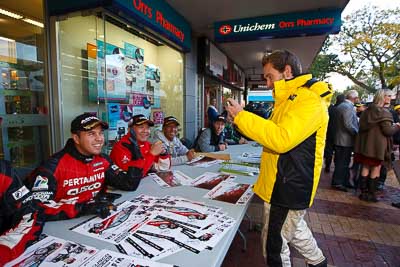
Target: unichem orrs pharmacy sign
287, 25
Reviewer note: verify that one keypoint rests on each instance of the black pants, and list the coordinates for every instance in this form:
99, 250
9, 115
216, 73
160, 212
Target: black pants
328, 153
341, 174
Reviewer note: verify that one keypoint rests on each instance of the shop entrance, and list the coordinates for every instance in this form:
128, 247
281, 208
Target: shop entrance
24, 137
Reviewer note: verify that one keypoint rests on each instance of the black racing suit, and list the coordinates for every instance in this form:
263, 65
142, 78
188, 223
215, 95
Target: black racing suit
67, 182
21, 221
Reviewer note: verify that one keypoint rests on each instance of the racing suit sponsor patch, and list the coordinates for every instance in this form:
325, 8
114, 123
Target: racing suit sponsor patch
20, 193
41, 183
76, 191
97, 164
114, 167
42, 196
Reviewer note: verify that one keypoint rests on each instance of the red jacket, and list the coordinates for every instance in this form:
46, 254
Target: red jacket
21, 221
69, 179
122, 155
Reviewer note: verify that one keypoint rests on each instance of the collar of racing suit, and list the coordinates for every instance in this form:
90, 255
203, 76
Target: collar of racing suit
284, 88
71, 149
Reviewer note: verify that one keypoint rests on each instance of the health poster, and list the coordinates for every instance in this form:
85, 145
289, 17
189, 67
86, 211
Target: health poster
134, 68
153, 78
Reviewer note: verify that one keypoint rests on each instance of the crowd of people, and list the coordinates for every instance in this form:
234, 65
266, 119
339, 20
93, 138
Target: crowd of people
362, 136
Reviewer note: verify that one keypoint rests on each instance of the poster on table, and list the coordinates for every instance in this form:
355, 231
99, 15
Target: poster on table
135, 69
53, 251
153, 78
110, 258
115, 227
203, 161
247, 169
209, 180
170, 178
231, 192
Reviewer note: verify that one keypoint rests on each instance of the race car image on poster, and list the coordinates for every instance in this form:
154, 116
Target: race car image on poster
114, 228
209, 180
38, 256
69, 252
112, 221
190, 213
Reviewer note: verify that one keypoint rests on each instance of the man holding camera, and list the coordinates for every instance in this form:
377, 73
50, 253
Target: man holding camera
73, 181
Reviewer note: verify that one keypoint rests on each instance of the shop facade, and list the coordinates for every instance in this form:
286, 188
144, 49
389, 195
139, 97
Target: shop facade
117, 60
219, 78
114, 59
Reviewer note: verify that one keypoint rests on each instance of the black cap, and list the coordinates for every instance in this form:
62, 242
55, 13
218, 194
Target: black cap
220, 118
139, 120
86, 122
169, 120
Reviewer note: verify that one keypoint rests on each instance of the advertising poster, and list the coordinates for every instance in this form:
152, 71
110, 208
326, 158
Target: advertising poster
158, 117
135, 70
107, 77
231, 192
153, 77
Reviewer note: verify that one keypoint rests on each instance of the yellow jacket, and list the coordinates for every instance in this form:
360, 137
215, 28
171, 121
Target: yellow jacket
293, 141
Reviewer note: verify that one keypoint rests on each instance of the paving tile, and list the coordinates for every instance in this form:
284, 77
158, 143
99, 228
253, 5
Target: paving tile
350, 232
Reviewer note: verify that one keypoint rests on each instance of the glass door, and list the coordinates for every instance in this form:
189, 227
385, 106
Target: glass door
24, 118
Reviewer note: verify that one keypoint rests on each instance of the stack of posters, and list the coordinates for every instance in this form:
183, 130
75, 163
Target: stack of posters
239, 168
150, 227
53, 251
203, 162
231, 192
254, 158
171, 178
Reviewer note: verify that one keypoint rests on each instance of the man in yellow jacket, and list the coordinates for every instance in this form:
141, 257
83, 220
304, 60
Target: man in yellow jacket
293, 140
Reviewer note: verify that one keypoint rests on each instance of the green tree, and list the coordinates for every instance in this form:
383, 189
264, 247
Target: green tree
367, 49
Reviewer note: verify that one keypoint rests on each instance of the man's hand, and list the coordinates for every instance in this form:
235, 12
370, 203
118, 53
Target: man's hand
99, 207
190, 154
242, 141
222, 147
233, 107
157, 148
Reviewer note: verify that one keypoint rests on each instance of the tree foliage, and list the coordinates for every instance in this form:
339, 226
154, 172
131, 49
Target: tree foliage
367, 49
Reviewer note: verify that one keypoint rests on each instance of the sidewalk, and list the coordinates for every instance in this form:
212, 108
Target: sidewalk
350, 232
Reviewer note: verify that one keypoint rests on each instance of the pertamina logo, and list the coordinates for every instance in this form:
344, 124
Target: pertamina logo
225, 29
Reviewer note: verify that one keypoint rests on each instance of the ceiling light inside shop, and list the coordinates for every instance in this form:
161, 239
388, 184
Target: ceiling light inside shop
17, 16
6, 39
10, 14
34, 22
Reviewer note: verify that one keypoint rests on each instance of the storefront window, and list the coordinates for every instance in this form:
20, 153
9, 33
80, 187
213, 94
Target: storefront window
108, 68
24, 138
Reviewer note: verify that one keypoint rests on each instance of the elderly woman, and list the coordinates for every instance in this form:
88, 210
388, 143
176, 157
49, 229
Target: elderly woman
373, 144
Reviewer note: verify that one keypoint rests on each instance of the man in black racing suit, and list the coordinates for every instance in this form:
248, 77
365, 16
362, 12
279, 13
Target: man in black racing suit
73, 181
21, 221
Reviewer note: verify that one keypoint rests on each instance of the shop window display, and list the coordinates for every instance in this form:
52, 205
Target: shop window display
116, 73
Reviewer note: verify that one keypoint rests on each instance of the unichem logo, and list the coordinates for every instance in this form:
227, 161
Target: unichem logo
253, 27
225, 29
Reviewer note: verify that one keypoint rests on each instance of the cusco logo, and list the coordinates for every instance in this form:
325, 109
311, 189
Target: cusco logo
225, 29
